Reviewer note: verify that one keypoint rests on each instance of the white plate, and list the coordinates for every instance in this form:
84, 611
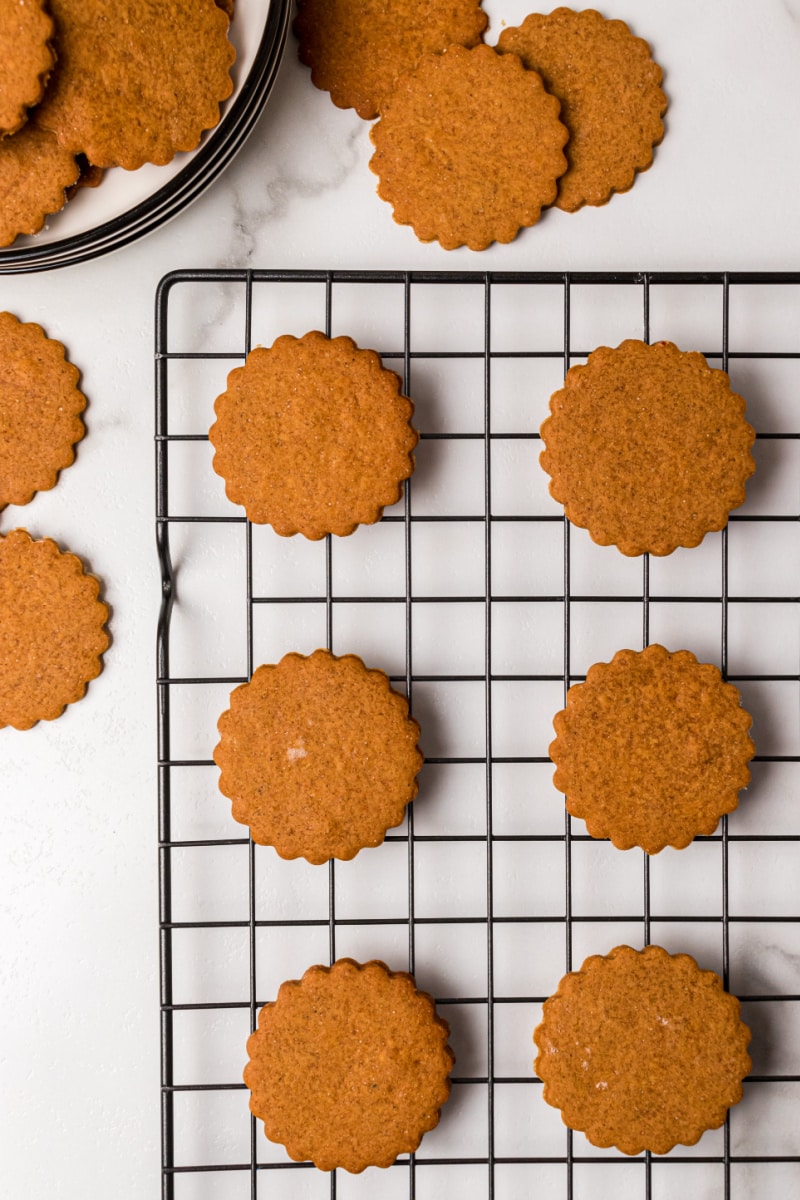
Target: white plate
128, 204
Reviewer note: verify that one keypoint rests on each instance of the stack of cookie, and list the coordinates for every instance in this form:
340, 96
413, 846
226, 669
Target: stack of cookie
85, 86
472, 141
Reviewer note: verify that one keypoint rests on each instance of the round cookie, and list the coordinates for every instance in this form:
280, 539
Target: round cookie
611, 99
35, 173
357, 48
642, 1050
51, 630
647, 447
313, 436
652, 749
26, 59
349, 1066
468, 148
164, 74
40, 403
318, 755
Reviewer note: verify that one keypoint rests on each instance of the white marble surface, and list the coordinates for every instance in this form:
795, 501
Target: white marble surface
78, 893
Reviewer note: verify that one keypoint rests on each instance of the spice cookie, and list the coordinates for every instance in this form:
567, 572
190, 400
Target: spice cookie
318, 755
652, 749
468, 148
26, 59
356, 50
642, 1050
35, 174
51, 630
40, 403
313, 436
611, 99
349, 1066
647, 447
164, 74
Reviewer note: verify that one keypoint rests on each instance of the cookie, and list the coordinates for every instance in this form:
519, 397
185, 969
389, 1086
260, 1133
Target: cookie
642, 1050
356, 49
35, 173
313, 436
26, 59
349, 1066
164, 73
89, 176
51, 630
647, 447
318, 755
652, 749
611, 99
40, 403
468, 148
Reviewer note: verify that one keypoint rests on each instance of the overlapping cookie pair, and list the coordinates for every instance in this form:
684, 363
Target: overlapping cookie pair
86, 85
52, 624
473, 141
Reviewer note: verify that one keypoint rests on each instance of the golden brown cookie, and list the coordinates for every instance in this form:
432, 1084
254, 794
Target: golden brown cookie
26, 59
318, 755
652, 749
349, 1066
611, 99
40, 403
642, 1050
468, 148
647, 447
313, 436
51, 630
89, 176
357, 48
35, 173
165, 71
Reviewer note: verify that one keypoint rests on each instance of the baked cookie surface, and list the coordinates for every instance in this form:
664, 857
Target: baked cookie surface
610, 93
349, 1066
318, 755
26, 59
642, 1050
313, 436
652, 749
35, 173
51, 630
136, 81
647, 447
40, 406
468, 148
357, 48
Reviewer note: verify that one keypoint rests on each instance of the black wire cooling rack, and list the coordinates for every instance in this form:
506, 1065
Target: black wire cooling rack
540, 885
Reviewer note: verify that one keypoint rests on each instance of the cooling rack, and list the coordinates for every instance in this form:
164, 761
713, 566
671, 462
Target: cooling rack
484, 605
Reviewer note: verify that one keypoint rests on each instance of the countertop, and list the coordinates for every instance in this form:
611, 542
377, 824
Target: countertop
78, 864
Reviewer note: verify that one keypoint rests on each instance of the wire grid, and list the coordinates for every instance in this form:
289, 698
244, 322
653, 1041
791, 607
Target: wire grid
570, 1166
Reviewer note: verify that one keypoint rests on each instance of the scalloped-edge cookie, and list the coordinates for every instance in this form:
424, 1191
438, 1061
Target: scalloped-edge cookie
468, 148
642, 1050
40, 406
313, 436
349, 1066
318, 755
35, 175
51, 629
610, 93
647, 447
26, 59
652, 749
357, 48
164, 75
